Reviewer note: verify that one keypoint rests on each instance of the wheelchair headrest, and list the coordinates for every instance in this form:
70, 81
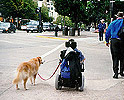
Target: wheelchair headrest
71, 44
67, 44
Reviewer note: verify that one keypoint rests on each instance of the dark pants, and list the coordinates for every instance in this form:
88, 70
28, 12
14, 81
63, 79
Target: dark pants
117, 51
101, 35
56, 33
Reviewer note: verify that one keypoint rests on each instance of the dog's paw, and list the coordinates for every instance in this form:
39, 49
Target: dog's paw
25, 89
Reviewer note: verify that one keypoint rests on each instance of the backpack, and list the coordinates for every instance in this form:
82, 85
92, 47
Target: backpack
70, 66
65, 70
121, 32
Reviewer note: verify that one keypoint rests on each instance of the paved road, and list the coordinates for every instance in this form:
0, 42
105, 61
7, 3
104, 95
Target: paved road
20, 47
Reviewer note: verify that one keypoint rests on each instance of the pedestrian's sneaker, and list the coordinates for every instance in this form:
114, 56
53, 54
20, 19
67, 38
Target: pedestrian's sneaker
115, 76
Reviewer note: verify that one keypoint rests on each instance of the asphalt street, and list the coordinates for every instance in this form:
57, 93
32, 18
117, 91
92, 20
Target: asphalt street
21, 46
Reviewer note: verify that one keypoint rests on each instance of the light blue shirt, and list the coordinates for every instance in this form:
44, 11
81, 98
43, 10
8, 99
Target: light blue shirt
113, 29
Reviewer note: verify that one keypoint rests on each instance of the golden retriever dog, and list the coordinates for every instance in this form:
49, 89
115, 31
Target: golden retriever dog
27, 70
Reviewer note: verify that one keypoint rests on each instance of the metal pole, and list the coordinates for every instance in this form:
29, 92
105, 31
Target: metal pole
111, 9
40, 24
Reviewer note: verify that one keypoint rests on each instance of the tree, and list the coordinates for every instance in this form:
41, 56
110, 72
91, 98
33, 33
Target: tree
68, 22
18, 8
103, 9
97, 10
61, 7
45, 14
75, 9
25, 9
118, 6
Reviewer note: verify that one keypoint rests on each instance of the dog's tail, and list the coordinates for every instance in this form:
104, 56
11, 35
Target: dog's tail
17, 79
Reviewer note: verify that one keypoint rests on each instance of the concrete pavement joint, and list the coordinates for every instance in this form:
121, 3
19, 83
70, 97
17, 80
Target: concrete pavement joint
120, 82
6, 90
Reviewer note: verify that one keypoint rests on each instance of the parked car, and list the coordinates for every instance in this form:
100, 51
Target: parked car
24, 27
49, 26
46, 26
24, 23
32, 26
7, 27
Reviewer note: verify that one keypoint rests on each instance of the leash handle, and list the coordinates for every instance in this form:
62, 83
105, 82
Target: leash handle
51, 75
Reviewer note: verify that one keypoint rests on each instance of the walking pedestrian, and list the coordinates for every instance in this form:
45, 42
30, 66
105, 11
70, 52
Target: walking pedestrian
101, 28
117, 44
56, 30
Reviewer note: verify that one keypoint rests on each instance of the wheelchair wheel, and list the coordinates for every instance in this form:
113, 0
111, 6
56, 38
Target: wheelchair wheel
81, 88
57, 83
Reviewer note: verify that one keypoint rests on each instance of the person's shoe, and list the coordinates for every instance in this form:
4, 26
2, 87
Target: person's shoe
122, 74
115, 76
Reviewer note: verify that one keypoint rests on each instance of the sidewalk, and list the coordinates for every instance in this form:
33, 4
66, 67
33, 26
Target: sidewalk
83, 34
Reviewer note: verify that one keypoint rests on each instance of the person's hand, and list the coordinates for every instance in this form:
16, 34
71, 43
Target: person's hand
107, 44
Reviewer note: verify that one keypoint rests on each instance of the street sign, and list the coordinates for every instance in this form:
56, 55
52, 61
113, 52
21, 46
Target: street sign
40, 3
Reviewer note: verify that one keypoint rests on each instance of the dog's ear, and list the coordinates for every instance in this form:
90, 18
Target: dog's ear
39, 59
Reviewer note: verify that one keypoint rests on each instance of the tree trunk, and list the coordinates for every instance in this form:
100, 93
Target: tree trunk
95, 24
64, 22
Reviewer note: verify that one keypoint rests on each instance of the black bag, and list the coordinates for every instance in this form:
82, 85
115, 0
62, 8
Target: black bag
121, 32
74, 64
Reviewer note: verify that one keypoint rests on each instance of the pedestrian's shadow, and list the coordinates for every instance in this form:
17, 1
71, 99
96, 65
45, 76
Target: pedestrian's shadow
120, 77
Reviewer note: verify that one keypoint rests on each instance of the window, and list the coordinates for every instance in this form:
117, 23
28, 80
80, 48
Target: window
51, 8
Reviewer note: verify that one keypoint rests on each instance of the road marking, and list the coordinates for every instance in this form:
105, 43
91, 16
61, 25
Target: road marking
6, 41
52, 37
53, 50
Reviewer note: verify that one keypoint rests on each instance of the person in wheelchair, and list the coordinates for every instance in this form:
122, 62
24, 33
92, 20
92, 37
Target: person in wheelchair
72, 46
72, 60
81, 56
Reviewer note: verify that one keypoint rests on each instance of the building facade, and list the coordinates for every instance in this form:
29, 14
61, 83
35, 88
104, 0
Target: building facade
49, 4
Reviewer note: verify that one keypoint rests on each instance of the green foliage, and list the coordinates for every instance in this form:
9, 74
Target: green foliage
98, 10
74, 9
102, 9
118, 6
18, 8
68, 22
45, 14
60, 21
24, 9
61, 7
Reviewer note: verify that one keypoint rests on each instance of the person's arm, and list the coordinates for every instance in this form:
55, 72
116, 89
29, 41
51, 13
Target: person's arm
82, 57
104, 25
98, 26
82, 61
108, 35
